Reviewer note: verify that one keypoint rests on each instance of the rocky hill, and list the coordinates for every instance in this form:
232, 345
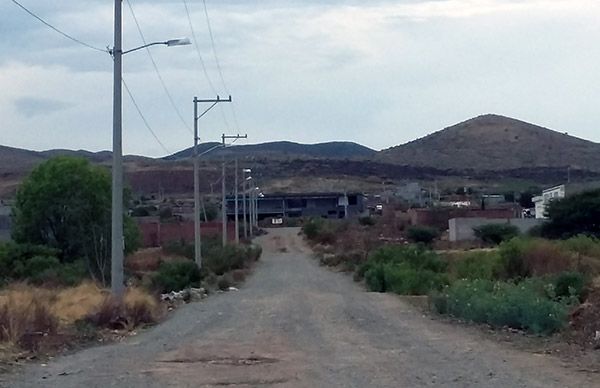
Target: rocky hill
496, 143
283, 150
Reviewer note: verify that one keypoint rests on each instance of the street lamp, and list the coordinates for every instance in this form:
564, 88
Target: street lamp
117, 241
246, 179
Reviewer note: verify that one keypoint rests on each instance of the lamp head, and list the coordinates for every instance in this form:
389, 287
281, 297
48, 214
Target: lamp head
178, 42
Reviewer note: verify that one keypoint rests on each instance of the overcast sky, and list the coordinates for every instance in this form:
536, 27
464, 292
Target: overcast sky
379, 73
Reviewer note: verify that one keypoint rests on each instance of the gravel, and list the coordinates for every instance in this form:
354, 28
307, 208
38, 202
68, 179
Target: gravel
295, 324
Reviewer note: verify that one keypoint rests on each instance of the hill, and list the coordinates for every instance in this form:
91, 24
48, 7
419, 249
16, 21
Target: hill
495, 143
283, 149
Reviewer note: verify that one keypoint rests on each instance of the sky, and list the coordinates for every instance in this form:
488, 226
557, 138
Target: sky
380, 73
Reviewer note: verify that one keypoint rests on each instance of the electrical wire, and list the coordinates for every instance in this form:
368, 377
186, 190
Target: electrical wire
160, 78
219, 68
189, 18
31, 13
135, 104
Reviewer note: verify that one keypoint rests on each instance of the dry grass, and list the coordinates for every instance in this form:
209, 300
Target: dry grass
29, 315
137, 308
25, 313
73, 304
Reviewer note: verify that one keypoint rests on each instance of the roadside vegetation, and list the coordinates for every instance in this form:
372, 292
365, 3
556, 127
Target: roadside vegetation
54, 275
534, 284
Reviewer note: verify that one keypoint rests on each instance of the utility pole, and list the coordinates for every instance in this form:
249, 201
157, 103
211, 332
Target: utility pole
223, 193
117, 241
237, 207
246, 170
197, 204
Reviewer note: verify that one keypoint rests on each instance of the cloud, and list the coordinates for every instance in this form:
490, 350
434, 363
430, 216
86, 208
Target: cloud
35, 106
376, 72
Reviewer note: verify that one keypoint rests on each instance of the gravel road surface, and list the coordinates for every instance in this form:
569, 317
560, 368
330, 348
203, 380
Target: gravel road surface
294, 324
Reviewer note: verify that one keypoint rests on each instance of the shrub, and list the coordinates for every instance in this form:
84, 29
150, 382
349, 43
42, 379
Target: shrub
137, 308
524, 257
411, 270
569, 284
366, 221
224, 282
375, 277
496, 233
521, 306
422, 234
583, 245
476, 265
405, 280
175, 276
312, 228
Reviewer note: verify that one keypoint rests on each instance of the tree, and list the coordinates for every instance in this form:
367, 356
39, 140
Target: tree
570, 216
65, 204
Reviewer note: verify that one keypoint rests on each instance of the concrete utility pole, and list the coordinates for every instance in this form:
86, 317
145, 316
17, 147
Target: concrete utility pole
117, 213
237, 207
223, 193
197, 204
246, 170
117, 240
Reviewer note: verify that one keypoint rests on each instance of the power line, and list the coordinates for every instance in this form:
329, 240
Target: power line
170, 97
219, 68
144, 118
57, 30
187, 11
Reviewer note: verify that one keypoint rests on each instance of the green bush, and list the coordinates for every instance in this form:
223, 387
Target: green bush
312, 228
366, 221
375, 277
569, 284
422, 234
583, 245
476, 265
512, 262
175, 276
503, 304
496, 233
406, 280
407, 270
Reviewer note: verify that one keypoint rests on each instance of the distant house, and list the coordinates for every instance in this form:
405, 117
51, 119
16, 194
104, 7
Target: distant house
541, 201
325, 205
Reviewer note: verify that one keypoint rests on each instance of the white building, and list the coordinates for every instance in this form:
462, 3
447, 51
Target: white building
548, 195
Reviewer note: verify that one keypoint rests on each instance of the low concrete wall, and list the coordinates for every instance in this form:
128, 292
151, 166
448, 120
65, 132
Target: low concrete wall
461, 229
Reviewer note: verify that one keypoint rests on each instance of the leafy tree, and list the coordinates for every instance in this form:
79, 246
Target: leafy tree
65, 204
577, 214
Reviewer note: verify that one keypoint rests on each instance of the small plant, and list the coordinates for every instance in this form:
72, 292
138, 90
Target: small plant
175, 276
496, 233
422, 234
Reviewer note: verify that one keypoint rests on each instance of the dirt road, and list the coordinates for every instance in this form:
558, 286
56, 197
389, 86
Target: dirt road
294, 324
